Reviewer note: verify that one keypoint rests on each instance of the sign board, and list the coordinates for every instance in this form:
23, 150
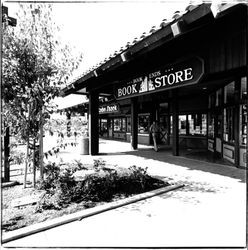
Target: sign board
109, 108
176, 75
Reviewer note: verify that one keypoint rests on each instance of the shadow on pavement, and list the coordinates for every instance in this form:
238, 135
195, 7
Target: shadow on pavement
165, 155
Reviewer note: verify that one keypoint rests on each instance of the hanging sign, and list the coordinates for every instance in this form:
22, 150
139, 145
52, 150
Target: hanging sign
109, 108
176, 75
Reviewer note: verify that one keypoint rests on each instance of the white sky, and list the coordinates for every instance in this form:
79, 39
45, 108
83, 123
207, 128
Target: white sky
99, 29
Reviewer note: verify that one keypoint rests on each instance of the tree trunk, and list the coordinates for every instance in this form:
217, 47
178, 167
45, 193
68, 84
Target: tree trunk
41, 149
26, 165
27, 153
6, 155
34, 164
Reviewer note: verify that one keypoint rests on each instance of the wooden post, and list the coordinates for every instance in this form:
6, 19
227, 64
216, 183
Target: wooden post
175, 134
134, 123
93, 123
6, 155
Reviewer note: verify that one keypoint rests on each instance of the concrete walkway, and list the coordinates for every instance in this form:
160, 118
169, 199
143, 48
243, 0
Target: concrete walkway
210, 211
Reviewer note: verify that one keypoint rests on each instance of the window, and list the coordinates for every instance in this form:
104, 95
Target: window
229, 124
243, 124
103, 126
120, 124
197, 124
229, 93
143, 124
182, 124
244, 88
218, 97
211, 125
129, 124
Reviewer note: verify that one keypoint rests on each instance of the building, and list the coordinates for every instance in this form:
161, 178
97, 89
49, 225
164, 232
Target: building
190, 74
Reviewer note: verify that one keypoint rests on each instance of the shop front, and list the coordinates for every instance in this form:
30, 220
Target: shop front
190, 75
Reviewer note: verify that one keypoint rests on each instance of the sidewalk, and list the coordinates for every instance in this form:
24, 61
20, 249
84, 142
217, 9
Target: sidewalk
210, 211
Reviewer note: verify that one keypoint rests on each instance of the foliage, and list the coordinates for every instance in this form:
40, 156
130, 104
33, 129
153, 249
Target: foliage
103, 185
34, 67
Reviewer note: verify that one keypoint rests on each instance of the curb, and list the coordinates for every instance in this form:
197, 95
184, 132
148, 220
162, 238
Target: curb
39, 227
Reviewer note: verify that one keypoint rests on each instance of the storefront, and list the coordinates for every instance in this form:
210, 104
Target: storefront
190, 75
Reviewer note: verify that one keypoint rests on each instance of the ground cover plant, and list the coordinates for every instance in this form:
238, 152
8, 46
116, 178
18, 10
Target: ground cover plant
71, 187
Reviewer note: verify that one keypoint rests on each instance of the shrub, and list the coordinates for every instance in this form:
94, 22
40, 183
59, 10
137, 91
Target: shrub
62, 189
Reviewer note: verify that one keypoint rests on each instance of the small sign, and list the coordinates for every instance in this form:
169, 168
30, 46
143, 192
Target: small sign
110, 108
176, 75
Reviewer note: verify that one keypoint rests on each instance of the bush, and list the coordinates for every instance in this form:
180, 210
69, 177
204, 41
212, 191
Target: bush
62, 189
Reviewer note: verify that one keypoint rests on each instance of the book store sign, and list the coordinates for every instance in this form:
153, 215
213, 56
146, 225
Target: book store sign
110, 108
173, 76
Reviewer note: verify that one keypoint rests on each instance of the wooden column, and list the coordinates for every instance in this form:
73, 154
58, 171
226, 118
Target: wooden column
134, 123
175, 134
236, 122
93, 123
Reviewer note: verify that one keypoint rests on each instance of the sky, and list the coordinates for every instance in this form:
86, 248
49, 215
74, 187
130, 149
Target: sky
97, 29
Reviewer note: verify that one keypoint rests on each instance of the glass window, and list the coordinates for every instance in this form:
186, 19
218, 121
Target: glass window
210, 125
243, 124
229, 124
244, 88
129, 124
171, 125
117, 124
124, 124
143, 124
229, 93
120, 124
182, 124
103, 126
218, 97
197, 124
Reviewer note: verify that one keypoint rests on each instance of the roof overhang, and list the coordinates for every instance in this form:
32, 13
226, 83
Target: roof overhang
196, 17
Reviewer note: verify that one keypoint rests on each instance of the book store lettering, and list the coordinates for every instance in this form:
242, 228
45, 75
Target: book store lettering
177, 75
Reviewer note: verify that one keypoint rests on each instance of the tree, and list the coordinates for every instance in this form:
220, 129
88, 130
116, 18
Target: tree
35, 66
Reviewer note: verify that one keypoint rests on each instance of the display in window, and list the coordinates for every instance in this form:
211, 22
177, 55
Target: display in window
143, 124
229, 93
211, 126
197, 124
243, 124
228, 125
243, 88
182, 124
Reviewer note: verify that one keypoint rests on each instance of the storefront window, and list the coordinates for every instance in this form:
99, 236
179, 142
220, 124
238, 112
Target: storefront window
143, 124
182, 124
117, 124
218, 97
229, 93
244, 88
103, 126
229, 124
197, 124
120, 124
211, 126
129, 124
243, 124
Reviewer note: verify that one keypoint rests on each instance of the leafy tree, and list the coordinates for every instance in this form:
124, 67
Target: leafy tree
35, 65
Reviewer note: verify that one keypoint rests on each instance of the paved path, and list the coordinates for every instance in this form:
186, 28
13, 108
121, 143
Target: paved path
209, 212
